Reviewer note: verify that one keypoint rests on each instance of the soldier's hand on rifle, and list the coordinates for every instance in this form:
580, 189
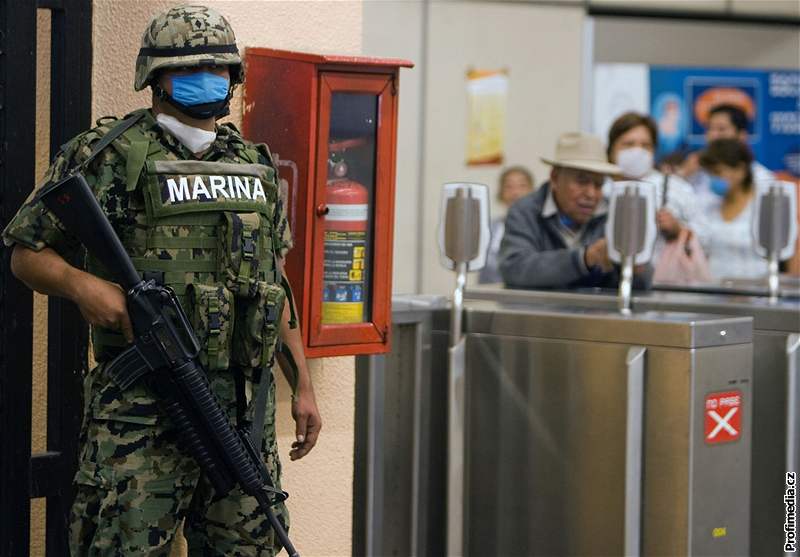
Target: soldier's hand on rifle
308, 422
103, 303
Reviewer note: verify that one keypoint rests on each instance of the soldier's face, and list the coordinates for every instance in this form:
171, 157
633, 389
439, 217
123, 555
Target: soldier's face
165, 77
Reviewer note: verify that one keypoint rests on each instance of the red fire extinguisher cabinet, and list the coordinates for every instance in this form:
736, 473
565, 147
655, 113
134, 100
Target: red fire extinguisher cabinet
331, 123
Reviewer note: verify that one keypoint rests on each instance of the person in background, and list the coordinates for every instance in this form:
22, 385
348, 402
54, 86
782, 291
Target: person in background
632, 142
554, 237
674, 162
730, 245
727, 121
515, 182
678, 163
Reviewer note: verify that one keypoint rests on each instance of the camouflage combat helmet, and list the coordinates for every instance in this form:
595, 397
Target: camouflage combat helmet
187, 36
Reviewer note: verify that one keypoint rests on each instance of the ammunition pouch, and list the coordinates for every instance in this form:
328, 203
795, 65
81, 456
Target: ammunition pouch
211, 311
245, 245
257, 327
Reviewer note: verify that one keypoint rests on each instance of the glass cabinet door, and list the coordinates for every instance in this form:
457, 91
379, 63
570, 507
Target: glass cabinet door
350, 252
349, 191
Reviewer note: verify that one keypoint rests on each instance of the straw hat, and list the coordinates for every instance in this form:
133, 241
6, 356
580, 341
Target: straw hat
583, 152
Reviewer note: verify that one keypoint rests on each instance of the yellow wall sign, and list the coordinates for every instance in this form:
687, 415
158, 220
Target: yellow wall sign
487, 94
719, 532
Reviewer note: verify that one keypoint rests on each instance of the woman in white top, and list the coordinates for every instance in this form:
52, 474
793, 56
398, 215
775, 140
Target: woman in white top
632, 141
515, 182
730, 245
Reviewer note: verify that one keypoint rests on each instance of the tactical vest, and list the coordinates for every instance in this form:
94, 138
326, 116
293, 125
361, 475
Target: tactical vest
209, 230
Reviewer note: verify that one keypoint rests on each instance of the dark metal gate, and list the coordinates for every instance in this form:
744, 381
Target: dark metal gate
24, 476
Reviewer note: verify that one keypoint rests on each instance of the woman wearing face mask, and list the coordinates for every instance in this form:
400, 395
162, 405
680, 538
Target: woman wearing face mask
632, 141
730, 246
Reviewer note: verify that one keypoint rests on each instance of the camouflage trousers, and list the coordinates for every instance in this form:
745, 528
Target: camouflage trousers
134, 486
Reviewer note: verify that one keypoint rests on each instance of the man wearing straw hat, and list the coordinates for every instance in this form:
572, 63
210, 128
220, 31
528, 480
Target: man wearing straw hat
554, 237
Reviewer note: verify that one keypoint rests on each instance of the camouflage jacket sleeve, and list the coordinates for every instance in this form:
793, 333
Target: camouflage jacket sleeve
34, 226
283, 232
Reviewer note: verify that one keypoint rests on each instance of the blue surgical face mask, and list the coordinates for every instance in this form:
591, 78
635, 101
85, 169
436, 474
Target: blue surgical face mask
199, 88
199, 95
720, 186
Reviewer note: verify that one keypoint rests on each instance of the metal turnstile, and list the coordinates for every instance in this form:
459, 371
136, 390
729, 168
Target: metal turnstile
587, 432
585, 435
776, 363
400, 475
789, 287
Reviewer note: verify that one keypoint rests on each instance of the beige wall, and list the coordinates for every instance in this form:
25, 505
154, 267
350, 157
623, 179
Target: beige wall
39, 372
394, 28
772, 8
541, 48
313, 25
321, 484
696, 43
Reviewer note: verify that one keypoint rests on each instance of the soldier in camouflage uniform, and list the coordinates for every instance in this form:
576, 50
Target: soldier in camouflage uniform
197, 208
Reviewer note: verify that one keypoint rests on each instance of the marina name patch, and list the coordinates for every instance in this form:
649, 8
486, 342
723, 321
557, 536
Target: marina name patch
182, 189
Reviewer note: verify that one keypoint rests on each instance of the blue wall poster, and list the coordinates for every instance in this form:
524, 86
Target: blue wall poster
681, 98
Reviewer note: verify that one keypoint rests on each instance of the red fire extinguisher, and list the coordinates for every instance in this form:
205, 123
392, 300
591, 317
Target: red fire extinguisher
345, 270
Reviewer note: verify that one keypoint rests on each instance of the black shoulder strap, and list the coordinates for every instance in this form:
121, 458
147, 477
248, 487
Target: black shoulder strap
115, 132
664, 188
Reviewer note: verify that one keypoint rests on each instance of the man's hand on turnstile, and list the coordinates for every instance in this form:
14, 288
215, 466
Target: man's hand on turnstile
596, 255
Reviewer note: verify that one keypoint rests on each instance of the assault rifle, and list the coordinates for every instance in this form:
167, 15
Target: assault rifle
164, 355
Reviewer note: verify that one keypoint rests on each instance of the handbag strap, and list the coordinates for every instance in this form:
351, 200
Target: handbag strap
664, 188
687, 245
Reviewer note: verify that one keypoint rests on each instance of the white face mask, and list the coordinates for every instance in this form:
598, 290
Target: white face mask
195, 139
635, 162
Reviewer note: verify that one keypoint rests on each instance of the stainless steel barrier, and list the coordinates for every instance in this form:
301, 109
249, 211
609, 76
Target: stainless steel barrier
585, 435
399, 474
789, 287
776, 359
549, 450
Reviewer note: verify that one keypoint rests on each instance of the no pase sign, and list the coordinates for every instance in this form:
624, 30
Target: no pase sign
723, 417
